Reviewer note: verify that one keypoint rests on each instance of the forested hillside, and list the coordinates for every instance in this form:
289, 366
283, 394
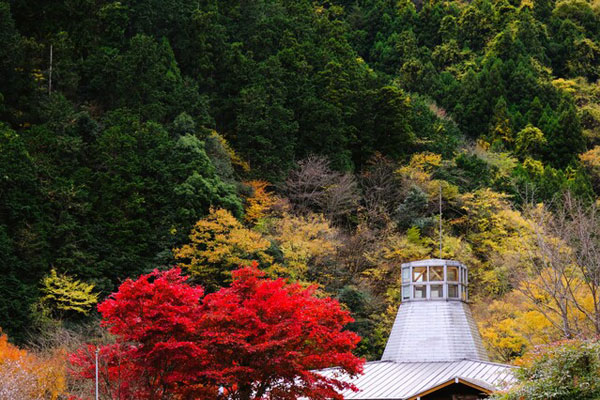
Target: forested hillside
313, 137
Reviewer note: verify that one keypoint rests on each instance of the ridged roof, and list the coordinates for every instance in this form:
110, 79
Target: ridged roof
390, 380
434, 331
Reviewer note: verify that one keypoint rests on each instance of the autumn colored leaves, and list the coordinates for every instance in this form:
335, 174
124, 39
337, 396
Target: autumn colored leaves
25, 375
256, 337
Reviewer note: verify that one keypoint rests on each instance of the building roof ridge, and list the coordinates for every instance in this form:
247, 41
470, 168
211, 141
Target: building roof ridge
441, 362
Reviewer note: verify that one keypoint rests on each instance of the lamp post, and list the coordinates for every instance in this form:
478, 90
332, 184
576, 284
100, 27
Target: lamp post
97, 351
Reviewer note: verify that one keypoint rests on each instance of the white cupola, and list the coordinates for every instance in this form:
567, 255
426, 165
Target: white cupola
434, 321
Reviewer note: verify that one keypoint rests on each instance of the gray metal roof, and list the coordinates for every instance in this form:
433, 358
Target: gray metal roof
434, 331
398, 381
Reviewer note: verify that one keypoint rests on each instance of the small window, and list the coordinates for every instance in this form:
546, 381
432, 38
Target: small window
406, 274
437, 291
419, 274
436, 274
420, 292
453, 274
453, 291
405, 292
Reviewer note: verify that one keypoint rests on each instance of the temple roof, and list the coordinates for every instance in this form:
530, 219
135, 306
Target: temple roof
386, 380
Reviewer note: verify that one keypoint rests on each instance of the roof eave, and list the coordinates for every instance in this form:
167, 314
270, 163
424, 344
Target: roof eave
473, 383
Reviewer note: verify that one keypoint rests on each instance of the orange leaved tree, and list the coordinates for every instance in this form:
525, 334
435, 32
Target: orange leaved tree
27, 376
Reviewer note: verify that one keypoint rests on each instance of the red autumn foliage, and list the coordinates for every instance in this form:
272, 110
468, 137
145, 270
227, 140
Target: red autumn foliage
257, 339
268, 335
158, 352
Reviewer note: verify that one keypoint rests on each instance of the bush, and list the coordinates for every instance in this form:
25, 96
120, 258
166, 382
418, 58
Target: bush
568, 370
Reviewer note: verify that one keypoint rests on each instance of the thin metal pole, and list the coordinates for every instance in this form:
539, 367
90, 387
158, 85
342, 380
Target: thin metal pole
97, 351
440, 219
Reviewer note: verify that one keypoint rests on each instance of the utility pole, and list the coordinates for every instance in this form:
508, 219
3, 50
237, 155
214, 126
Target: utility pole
97, 351
440, 220
50, 73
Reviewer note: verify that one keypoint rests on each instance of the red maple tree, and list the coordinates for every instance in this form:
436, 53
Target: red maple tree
157, 352
257, 339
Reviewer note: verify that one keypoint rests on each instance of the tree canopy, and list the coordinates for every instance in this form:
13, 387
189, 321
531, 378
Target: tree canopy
256, 337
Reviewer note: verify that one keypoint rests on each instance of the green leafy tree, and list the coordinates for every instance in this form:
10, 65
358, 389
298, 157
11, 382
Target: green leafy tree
565, 370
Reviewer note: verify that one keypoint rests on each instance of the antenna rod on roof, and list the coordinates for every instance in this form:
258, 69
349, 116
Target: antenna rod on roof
440, 220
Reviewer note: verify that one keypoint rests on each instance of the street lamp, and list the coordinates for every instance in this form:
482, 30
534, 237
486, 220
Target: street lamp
97, 351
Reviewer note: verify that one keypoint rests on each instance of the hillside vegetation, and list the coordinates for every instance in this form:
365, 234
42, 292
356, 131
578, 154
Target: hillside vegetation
313, 137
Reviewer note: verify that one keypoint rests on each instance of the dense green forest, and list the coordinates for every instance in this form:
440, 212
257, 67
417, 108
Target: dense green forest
310, 135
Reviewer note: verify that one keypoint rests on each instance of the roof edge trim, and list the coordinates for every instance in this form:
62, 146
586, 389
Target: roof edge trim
457, 379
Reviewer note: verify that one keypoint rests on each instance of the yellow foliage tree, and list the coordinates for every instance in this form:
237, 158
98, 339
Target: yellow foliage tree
555, 269
552, 299
236, 160
518, 322
27, 376
421, 166
63, 295
395, 249
591, 161
419, 172
259, 203
561, 298
511, 326
490, 220
494, 230
530, 140
306, 242
502, 340
218, 244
